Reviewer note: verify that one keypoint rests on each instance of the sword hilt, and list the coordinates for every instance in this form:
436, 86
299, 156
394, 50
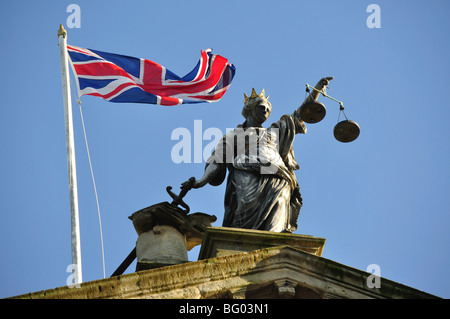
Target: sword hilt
178, 199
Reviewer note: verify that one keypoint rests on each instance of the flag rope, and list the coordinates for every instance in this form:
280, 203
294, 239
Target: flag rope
93, 179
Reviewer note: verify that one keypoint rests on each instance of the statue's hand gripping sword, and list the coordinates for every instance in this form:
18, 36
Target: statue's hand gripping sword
178, 199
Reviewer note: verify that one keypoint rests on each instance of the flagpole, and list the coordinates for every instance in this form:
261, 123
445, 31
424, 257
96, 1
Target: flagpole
73, 190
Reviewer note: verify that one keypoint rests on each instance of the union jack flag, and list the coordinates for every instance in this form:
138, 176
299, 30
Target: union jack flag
119, 78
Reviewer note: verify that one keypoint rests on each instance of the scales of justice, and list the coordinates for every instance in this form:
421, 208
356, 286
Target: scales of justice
314, 111
262, 196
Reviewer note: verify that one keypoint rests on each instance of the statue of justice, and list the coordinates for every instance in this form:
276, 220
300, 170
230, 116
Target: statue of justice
262, 191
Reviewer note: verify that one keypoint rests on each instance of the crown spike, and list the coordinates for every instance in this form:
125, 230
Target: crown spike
255, 95
245, 98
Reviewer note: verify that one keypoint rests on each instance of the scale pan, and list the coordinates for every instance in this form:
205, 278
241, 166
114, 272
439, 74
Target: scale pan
312, 112
346, 131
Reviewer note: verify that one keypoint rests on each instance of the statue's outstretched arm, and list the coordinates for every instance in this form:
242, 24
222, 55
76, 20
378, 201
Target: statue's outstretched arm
321, 86
211, 171
300, 126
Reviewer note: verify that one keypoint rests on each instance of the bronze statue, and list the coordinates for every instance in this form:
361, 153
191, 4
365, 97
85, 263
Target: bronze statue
262, 190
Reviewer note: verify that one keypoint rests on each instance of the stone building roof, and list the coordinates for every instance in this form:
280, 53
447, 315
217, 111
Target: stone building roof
272, 272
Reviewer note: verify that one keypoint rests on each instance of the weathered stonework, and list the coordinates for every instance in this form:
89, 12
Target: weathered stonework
220, 241
163, 244
165, 234
274, 272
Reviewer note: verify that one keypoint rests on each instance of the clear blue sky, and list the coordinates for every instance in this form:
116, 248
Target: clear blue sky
382, 199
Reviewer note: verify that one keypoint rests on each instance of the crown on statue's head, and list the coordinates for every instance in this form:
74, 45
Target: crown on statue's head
254, 95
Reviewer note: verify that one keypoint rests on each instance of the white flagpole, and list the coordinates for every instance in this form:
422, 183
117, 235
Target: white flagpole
68, 118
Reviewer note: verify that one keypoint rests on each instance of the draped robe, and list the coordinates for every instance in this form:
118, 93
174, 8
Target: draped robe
262, 191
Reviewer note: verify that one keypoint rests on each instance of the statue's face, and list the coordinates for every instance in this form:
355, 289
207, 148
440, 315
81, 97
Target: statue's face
261, 111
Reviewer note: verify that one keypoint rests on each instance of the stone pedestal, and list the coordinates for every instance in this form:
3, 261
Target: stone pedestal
166, 233
221, 241
163, 245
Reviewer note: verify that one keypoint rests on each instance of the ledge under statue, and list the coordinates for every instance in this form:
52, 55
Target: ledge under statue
262, 191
